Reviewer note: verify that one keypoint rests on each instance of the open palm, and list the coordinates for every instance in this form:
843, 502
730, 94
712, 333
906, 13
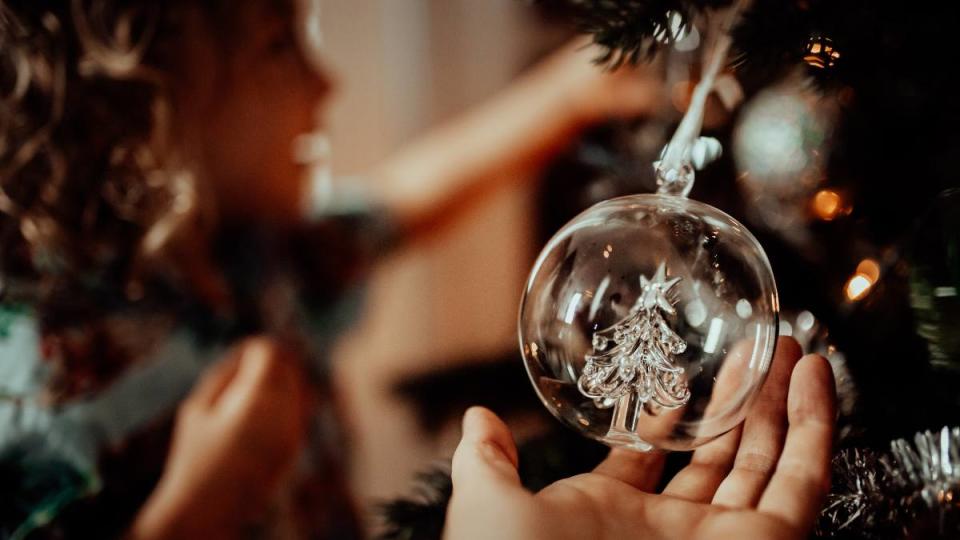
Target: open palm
765, 479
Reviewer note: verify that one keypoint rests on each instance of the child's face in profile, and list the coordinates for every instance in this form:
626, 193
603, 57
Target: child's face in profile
268, 90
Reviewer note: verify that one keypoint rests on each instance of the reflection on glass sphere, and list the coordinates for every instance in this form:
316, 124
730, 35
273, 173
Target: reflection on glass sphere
650, 321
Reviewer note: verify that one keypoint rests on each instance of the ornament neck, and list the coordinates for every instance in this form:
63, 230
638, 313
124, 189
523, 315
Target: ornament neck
675, 170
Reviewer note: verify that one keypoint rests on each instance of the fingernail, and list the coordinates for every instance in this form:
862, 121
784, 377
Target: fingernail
475, 430
472, 420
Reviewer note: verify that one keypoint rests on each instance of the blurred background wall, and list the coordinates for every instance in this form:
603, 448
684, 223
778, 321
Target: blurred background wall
402, 66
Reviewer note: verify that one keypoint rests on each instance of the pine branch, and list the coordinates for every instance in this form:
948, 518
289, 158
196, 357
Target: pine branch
626, 29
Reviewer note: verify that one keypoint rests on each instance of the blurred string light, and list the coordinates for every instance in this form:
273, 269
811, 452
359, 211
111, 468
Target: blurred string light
857, 287
860, 283
827, 205
820, 52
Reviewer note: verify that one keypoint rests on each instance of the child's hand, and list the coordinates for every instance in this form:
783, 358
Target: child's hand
594, 93
237, 436
512, 135
763, 480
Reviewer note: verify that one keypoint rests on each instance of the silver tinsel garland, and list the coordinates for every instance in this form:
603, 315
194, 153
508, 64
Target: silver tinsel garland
928, 473
912, 491
859, 503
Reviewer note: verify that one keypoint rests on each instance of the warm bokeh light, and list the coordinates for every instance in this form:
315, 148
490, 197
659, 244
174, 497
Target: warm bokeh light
820, 52
827, 204
870, 269
857, 287
860, 283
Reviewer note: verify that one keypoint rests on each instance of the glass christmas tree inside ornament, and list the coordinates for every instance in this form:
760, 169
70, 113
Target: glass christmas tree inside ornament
650, 321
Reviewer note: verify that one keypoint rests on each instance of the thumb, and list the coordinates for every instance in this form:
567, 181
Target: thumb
485, 461
486, 485
486, 454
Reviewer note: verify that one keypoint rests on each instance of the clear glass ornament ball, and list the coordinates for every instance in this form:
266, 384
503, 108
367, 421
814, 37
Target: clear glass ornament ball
650, 321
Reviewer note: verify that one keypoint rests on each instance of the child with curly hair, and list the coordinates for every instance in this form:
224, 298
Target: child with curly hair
158, 253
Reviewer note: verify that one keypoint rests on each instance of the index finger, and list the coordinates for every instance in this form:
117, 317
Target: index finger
214, 381
265, 368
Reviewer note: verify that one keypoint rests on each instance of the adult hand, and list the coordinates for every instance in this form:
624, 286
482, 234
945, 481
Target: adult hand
237, 435
765, 479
